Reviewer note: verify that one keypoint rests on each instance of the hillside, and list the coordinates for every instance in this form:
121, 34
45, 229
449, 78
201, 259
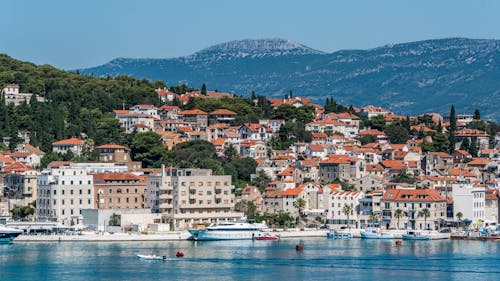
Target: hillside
409, 78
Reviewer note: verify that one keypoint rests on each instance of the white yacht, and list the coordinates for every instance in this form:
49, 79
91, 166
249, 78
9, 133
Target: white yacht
8, 234
228, 231
375, 233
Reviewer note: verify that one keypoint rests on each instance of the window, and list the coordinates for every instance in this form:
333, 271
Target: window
71, 201
55, 192
118, 190
71, 182
62, 191
62, 202
126, 190
110, 200
127, 200
135, 190
80, 201
80, 182
136, 200
88, 191
81, 192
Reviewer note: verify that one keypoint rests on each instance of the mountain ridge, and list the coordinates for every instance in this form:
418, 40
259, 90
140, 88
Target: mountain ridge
409, 78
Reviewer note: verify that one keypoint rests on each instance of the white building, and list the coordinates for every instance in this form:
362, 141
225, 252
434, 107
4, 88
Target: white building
336, 203
63, 193
469, 200
187, 197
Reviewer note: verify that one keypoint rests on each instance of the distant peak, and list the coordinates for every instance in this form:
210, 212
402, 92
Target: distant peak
258, 48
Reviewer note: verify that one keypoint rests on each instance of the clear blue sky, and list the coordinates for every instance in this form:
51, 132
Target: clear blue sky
80, 33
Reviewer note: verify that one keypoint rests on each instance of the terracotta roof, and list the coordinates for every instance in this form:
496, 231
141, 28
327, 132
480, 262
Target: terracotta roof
442, 154
413, 195
292, 191
112, 146
479, 162
393, 164
222, 112
219, 141
471, 133
56, 164
16, 167
70, 141
115, 177
33, 149
193, 112
371, 132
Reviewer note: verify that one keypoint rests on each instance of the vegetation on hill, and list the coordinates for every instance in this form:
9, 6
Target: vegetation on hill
77, 105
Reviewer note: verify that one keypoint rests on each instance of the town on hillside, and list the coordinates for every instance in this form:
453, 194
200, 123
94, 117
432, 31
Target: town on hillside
204, 157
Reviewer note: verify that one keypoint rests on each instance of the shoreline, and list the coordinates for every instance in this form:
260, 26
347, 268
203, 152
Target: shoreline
125, 237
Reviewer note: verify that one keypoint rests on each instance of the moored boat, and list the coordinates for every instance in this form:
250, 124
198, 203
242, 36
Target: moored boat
332, 233
375, 233
8, 234
228, 231
267, 236
415, 235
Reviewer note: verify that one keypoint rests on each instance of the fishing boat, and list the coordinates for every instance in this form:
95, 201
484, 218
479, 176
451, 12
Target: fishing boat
8, 234
415, 235
332, 233
375, 233
228, 231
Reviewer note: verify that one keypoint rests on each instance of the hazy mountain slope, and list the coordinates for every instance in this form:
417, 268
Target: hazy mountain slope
408, 78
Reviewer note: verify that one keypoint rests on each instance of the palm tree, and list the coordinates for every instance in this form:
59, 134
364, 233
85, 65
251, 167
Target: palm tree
300, 204
424, 213
459, 216
347, 211
398, 214
373, 218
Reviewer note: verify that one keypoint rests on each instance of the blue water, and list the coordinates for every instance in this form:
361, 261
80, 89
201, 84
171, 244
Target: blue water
321, 259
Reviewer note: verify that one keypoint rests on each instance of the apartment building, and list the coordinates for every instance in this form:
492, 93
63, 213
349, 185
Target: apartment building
187, 197
411, 202
62, 193
119, 191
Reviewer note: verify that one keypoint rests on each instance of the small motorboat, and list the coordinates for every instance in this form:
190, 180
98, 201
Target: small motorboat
152, 257
267, 236
332, 233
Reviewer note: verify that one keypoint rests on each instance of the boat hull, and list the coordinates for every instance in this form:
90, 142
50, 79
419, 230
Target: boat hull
366, 235
413, 237
8, 236
207, 235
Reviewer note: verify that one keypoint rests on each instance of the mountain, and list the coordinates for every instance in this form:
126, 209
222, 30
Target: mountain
408, 78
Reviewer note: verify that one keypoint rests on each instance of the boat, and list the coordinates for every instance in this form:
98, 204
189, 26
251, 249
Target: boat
228, 231
267, 236
332, 233
152, 257
415, 235
8, 234
375, 233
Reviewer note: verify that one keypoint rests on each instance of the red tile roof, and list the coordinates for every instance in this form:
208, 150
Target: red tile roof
70, 141
413, 195
222, 112
292, 191
112, 146
193, 112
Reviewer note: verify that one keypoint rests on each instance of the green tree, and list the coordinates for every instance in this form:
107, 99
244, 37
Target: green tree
231, 153
367, 139
473, 147
398, 213
425, 213
49, 157
373, 218
203, 89
477, 114
22, 212
299, 204
247, 207
453, 128
459, 216
397, 134
148, 148
347, 210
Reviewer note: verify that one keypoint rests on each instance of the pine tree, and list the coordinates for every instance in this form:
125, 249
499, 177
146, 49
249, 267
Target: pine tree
440, 127
453, 128
253, 97
204, 89
477, 114
473, 147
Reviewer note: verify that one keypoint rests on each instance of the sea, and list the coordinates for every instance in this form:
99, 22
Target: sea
320, 259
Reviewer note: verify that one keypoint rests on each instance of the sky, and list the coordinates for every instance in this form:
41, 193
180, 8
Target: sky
84, 33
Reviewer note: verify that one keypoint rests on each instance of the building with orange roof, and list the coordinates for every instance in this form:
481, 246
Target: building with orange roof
274, 124
337, 200
480, 137
368, 183
224, 116
412, 202
118, 191
20, 182
331, 127
492, 210
195, 118
75, 145
340, 167
307, 170
251, 193
255, 131
371, 111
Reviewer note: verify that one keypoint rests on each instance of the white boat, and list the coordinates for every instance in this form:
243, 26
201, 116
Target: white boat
228, 231
332, 233
375, 233
152, 257
415, 235
8, 234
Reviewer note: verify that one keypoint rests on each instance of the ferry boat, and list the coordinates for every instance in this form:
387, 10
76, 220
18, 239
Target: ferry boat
332, 233
228, 231
375, 233
8, 234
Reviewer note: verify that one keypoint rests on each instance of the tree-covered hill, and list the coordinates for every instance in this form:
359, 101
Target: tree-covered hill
76, 104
